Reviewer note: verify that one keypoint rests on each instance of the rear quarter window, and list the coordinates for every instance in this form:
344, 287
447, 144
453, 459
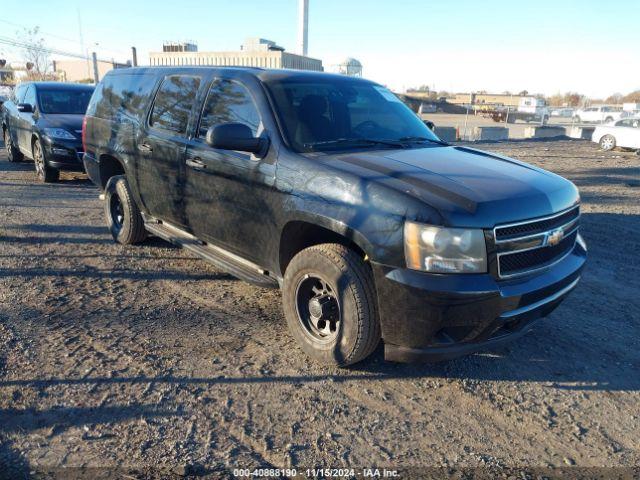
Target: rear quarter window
122, 97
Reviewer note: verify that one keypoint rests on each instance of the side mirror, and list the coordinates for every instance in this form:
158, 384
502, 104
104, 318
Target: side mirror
430, 125
25, 108
235, 136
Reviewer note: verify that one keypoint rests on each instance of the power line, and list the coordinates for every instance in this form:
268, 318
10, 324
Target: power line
40, 31
54, 51
66, 39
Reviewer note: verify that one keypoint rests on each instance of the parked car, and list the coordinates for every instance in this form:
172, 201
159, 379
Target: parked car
599, 114
331, 189
43, 122
562, 112
623, 133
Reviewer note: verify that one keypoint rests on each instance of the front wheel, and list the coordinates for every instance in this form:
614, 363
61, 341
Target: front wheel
330, 305
608, 142
44, 172
13, 154
123, 216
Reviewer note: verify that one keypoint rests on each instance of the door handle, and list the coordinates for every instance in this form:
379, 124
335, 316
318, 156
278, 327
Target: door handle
196, 163
145, 148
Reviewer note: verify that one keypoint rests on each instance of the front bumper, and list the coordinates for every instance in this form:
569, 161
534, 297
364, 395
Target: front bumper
433, 317
64, 154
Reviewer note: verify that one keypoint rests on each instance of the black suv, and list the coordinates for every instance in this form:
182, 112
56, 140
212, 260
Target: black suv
43, 121
330, 188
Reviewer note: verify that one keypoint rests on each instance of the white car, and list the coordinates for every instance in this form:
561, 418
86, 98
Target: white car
599, 114
623, 133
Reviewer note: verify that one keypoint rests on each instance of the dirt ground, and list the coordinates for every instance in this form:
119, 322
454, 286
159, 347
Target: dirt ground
149, 361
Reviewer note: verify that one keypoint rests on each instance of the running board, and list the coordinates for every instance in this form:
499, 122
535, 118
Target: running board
227, 261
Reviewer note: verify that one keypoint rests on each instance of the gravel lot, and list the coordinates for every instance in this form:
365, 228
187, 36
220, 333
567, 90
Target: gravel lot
148, 360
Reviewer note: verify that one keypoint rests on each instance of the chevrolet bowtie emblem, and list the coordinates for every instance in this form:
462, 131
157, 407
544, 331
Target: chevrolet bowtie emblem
554, 237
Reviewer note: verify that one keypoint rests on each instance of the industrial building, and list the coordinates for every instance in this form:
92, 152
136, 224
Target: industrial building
255, 52
82, 70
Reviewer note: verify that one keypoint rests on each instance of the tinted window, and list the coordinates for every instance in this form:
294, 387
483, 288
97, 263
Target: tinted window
64, 101
173, 103
342, 113
122, 97
30, 96
229, 102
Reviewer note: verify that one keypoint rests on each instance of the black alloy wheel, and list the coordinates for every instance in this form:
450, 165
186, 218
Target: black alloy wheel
318, 308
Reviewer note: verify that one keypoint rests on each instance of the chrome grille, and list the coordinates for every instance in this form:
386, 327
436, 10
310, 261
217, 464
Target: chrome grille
524, 247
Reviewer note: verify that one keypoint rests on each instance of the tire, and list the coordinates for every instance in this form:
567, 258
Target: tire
608, 119
123, 216
13, 153
344, 285
608, 142
44, 172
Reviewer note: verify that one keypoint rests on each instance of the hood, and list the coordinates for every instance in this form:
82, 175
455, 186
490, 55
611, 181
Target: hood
468, 187
70, 122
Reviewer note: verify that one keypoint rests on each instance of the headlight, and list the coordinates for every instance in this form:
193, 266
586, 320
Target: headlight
444, 250
58, 133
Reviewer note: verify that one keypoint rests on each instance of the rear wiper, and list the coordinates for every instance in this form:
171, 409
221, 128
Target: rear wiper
423, 139
369, 141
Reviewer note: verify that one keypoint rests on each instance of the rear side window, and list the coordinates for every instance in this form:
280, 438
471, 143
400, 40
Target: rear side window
229, 102
122, 97
173, 103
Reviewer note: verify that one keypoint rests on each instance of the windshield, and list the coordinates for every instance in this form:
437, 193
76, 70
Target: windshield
64, 101
339, 114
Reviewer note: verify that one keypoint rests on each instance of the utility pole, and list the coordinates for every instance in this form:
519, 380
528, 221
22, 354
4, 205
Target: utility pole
96, 77
134, 56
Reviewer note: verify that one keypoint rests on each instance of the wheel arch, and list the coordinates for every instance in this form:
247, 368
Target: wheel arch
298, 234
110, 166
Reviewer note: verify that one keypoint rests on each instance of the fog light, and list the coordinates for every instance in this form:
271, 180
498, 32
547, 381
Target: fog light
60, 151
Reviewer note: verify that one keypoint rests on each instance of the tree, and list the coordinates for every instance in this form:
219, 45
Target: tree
633, 97
35, 54
615, 98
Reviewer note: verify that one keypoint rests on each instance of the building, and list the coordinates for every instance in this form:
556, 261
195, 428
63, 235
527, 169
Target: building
179, 47
255, 52
82, 70
350, 67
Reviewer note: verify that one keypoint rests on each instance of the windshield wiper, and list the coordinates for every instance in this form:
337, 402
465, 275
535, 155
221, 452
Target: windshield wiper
423, 139
368, 141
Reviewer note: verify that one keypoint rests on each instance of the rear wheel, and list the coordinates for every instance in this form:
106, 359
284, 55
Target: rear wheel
44, 172
13, 154
330, 305
608, 142
123, 216
608, 119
